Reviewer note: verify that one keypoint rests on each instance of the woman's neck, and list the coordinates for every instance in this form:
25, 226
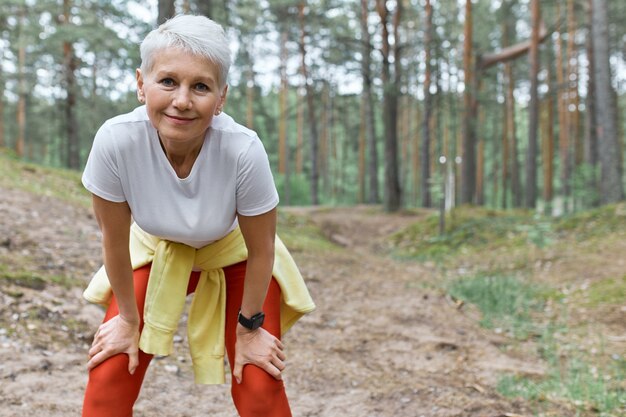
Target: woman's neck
181, 156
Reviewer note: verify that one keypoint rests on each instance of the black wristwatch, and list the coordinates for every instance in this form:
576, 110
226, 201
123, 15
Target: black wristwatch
253, 322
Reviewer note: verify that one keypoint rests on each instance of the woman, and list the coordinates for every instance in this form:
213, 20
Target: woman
201, 197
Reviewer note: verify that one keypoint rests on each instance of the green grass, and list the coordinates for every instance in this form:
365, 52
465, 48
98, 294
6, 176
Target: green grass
509, 303
30, 279
299, 234
505, 302
593, 223
587, 388
44, 181
470, 230
607, 291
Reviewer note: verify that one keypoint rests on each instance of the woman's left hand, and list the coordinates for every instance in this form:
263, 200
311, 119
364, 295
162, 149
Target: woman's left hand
260, 348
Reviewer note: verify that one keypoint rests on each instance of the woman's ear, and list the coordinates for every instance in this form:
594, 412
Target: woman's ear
222, 102
140, 95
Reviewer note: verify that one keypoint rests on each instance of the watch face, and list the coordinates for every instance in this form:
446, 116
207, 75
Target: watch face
253, 322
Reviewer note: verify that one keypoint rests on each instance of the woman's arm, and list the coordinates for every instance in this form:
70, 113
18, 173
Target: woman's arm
258, 346
259, 233
120, 334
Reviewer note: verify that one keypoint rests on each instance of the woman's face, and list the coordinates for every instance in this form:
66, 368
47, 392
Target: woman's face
182, 95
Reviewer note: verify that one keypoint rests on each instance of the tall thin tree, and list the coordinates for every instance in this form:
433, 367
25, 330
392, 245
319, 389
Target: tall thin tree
611, 185
468, 165
392, 194
310, 101
69, 66
425, 145
368, 108
21, 83
533, 110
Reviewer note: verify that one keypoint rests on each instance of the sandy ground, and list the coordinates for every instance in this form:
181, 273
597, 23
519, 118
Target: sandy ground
382, 342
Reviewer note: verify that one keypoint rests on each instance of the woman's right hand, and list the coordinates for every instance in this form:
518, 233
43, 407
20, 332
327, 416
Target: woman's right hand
114, 337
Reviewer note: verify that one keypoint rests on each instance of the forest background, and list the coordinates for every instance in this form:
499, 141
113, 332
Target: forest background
409, 103
496, 311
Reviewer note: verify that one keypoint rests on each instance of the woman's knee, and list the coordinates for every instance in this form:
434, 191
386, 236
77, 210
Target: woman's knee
259, 394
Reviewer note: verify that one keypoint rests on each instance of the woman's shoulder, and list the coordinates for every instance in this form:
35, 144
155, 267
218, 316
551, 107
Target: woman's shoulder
137, 116
226, 125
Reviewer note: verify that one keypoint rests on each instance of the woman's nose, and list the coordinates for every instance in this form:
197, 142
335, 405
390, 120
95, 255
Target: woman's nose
182, 99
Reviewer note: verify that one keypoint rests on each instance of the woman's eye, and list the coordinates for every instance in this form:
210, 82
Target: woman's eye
202, 87
167, 82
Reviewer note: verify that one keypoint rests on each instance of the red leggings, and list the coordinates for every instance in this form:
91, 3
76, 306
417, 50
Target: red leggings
112, 391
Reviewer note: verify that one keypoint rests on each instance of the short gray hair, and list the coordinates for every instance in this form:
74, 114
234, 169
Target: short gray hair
197, 35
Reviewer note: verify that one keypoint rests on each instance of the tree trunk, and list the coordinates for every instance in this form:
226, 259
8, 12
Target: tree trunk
2, 139
468, 164
533, 110
205, 7
480, 167
562, 104
548, 150
22, 93
392, 197
166, 10
362, 149
69, 64
312, 121
299, 132
368, 109
284, 166
282, 105
611, 186
505, 146
516, 187
590, 148
326, 126
425, 145
250, 93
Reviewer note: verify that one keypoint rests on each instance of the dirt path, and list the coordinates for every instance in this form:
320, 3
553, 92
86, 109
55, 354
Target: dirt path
382, 342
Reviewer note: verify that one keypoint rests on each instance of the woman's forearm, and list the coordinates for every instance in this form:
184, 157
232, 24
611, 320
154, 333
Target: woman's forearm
114, 220
259, 233
258, 276
120, 273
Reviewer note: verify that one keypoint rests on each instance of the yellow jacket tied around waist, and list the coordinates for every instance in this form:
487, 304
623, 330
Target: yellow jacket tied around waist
172, 264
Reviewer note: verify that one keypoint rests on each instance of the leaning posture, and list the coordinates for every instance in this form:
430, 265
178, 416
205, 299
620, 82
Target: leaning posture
186, 203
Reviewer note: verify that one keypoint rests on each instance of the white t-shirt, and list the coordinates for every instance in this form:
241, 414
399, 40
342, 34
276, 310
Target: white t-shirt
230, 175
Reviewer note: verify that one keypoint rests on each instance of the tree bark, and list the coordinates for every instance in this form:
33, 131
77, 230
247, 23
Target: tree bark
282, 105
205, 7
468, 164
2, 138
250, 90
166, 10
22, 93
392, 196
590, 148
69, 64
548, 150
562, 104
312, 122
368, 109
611, 186
533, 110
426, 142
516, 187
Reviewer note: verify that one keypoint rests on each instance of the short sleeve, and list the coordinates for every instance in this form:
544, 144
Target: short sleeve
256, 191
101, 173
